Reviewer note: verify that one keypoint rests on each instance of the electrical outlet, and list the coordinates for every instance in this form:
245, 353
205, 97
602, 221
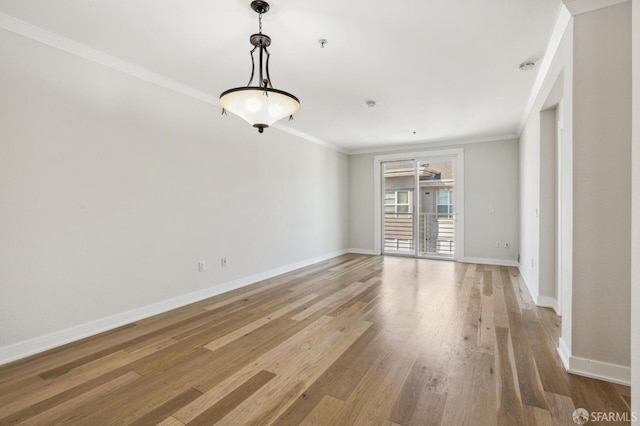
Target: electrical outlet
507, 244
201, 266
223, 261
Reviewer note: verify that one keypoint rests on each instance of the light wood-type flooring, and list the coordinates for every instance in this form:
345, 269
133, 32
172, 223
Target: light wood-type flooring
356, 340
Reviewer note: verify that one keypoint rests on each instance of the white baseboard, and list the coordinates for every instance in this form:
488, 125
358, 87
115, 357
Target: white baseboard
42, 343
363, 251
542, 301
488, 261
526, 284
563, 351
594, 369
547, 302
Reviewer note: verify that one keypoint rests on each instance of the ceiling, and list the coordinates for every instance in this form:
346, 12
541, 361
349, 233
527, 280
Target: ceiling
444, 69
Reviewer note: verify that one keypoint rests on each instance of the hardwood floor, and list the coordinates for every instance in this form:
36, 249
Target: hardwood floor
353, 340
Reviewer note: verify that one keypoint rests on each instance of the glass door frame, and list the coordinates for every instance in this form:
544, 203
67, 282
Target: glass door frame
457, 156
412, 203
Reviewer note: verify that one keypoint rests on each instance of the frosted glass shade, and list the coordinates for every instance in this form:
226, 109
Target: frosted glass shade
258, 106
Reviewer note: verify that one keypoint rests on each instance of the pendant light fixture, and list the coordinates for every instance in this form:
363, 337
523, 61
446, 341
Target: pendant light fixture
260, 105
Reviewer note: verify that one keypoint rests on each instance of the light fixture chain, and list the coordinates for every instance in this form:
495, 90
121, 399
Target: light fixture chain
260, 22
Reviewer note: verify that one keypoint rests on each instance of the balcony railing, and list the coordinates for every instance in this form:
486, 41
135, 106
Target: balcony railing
436, 232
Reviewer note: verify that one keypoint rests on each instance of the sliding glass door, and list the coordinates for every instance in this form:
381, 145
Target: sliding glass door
419, 207
398, 207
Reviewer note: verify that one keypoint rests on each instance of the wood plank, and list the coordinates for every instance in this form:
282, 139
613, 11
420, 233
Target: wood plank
429, 409
535, 416
339, 379
18, 370
24, 398
171, 421
217, 411
216, 393
334, 300
486, 326
324, 413
383, 340
548, 364
150, 391
487, 283
294, 377
51, 416
162, 412
244, 331
375, 396
561, 408
510, 407
531, 389
406, 403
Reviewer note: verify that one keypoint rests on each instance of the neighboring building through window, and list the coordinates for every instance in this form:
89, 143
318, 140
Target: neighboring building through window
444, 201
398, 213
400, 201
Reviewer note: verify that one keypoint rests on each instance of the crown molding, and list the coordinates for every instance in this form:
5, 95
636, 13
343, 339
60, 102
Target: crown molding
9, 23
309, 137
564, 18
576, 7
432, 144
568, 9
25, 29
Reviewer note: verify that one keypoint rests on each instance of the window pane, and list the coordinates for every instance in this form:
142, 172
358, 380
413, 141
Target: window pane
403, 197
443, 209
403, 209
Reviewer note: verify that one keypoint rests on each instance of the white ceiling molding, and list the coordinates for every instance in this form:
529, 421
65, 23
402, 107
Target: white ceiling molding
567, 11
432, 144
40, 35
308, 137
564, 17
470, 83
577, 7
32, 32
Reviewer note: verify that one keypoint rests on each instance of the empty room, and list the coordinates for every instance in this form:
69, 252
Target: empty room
321, 213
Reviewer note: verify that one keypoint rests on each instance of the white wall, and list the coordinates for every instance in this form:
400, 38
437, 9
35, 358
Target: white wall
491, 199
548, 208
594, 62
112, 189
556, 89
602, 185
361, 205
635, 248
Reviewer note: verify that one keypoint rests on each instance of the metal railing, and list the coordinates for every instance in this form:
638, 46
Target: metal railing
398, 232
436, 233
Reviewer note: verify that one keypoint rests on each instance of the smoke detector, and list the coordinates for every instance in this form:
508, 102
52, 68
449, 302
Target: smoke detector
527, 66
